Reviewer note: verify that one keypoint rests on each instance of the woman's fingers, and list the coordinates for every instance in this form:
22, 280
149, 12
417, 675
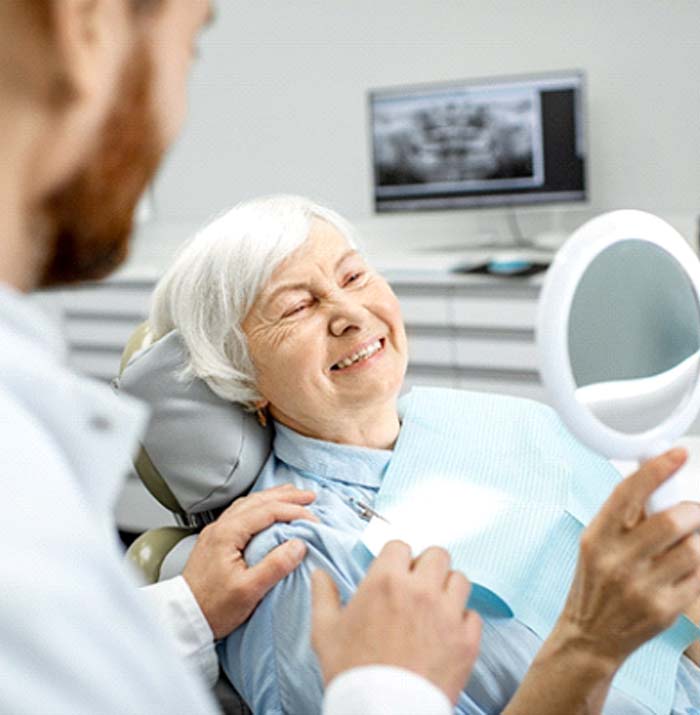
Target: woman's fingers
635, 575
625, 507
686, 591
678, 562
661, 531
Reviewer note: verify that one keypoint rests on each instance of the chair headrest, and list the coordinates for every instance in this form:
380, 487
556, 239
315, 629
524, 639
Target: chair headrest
208, 451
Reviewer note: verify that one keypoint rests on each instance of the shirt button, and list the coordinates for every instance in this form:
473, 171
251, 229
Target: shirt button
100, 423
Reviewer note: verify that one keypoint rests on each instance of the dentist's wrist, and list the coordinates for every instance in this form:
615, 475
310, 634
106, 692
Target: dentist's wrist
383, 688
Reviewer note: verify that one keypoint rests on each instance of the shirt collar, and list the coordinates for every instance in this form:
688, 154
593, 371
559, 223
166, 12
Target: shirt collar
338, 462
20, 314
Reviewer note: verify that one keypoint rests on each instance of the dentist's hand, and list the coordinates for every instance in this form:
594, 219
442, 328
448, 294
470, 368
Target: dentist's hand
225, 588
635, 575
406, 613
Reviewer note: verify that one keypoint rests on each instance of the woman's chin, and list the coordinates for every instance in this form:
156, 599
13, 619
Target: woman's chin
375, 390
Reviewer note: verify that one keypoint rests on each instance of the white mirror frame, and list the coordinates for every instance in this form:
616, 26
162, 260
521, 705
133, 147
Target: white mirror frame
552, 331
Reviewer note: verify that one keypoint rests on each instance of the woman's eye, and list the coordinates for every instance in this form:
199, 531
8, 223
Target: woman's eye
293, 311
353, 277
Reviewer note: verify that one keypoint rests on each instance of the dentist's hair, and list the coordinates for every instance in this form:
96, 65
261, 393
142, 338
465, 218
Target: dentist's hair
215, 279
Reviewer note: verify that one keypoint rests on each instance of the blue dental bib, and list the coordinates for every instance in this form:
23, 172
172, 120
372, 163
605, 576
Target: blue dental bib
502, 484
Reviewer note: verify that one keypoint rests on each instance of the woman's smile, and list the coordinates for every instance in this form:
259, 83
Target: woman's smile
362, 356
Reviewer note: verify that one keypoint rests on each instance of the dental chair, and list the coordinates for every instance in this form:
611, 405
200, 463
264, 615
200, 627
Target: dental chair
199, 453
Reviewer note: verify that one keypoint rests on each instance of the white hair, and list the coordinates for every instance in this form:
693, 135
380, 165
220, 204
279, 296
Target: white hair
215, 279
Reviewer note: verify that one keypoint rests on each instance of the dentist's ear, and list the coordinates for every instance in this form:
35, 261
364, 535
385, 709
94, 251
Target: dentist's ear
79, 65
92, 38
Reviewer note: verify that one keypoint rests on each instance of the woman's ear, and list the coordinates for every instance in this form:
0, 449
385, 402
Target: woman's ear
261, 411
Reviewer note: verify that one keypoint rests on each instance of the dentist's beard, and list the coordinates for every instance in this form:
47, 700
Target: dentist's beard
88, 222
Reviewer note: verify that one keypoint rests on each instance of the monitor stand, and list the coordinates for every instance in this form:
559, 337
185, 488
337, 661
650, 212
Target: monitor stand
521, 255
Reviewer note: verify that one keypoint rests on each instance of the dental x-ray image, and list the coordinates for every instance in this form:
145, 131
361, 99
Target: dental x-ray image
470, 139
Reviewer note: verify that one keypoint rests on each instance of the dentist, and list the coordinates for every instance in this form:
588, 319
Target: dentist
92, 93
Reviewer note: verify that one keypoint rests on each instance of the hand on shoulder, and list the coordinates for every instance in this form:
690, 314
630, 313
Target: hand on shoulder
226, 588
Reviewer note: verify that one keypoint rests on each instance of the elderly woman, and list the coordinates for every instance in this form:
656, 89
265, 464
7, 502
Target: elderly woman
281, 313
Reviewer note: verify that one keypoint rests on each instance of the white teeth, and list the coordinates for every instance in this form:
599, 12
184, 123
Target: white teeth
361, 355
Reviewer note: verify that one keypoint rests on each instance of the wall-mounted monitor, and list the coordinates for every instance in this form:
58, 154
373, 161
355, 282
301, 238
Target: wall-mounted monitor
488, 142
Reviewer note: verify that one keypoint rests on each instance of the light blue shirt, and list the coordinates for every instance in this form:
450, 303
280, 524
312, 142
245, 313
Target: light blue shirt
270, 660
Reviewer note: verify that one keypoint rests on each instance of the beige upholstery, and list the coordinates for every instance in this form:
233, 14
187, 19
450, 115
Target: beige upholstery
149, 550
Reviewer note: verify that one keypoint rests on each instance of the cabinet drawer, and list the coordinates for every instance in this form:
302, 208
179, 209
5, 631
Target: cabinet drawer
107, 301
496, 353
105, 334
430, 350
425, 309
429, 378
510, 314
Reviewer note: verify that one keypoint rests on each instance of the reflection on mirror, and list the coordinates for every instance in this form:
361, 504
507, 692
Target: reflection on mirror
634, 336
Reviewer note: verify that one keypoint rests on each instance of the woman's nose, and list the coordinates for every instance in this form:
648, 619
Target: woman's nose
346, 316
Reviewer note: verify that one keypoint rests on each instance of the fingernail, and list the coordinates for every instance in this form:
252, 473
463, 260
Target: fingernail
677, 454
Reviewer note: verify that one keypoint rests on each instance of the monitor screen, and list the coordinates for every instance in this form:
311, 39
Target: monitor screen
489, 142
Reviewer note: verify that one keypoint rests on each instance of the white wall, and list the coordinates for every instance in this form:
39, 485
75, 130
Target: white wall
278, 101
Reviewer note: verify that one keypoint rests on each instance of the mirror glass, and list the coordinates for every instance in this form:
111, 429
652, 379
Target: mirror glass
634, 336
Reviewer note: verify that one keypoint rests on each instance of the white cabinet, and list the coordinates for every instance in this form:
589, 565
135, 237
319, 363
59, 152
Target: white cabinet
471, 332
498, 311
98, 319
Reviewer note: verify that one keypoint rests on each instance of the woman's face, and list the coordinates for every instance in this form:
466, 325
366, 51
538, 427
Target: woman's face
326, 337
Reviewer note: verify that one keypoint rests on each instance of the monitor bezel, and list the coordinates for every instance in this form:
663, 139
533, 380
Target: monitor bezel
496, 200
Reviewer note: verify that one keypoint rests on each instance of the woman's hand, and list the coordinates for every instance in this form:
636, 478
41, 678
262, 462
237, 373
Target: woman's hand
635, 575
406, 613
225, 588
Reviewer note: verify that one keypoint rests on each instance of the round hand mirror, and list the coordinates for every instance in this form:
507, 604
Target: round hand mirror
618, 335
